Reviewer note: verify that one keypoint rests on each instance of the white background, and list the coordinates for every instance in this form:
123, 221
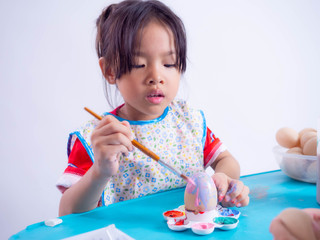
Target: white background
253, 67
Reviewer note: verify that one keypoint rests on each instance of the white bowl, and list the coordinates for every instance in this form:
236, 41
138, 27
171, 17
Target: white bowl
227, 212
175, 225
175, 214
300, 167
226, 223
177, 228
202, 228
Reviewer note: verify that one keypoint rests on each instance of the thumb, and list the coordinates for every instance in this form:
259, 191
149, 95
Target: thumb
127, 124
221, 182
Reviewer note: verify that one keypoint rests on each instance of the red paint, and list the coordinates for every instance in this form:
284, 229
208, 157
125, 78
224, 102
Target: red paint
180, 222
173, 214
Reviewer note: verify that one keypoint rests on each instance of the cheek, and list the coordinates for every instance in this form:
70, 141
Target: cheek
127, 88
175, 83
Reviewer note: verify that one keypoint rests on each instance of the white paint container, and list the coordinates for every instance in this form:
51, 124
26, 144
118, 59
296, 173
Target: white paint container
318, 156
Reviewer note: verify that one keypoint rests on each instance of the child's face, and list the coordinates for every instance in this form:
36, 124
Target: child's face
154, 81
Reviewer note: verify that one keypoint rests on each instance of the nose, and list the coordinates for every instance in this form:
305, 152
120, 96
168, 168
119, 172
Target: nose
155, 81
155, 76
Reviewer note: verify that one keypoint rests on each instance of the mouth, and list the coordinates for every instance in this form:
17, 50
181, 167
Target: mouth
155, 97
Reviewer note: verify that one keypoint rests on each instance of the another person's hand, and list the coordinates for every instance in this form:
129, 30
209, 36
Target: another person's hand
110, 139
231, 192
296, 224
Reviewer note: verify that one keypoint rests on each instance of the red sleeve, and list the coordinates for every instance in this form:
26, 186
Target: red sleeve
211, 146
79, 161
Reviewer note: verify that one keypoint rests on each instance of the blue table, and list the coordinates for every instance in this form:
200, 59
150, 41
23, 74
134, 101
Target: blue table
141, 218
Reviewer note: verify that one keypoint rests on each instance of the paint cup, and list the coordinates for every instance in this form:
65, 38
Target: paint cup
175, 214
226, 223
202, 228
318, 156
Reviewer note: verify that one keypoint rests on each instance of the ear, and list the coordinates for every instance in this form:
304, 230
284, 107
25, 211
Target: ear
108, 73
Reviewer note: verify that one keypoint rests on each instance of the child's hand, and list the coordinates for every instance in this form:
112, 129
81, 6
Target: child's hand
231, 192
110, 139
293, 223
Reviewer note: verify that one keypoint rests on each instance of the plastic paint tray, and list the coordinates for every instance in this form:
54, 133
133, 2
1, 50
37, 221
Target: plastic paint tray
226, 223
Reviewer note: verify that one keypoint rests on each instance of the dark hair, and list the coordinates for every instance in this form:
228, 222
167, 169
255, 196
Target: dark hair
118, 27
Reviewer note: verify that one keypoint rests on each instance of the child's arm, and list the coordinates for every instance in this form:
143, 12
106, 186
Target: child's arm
84, 195
231, 191
109, 139
226, 163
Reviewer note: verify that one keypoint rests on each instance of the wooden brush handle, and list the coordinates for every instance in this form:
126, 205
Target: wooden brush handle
93, 113
138, 145
145, 150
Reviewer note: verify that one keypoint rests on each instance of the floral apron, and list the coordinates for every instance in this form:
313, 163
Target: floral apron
177, 137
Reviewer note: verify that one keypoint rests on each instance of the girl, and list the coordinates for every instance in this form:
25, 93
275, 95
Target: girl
141, 47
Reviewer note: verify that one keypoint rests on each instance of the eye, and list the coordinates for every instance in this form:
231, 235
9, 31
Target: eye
138, 66
170, 65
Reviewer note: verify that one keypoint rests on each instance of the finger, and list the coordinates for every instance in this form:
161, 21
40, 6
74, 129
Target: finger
107, 161
110, 128
113, 139
107, 119
313, 212
115, 125
222, 192
298, 222
234, 190
111, 153
127, 124
243, 199
279, 231
221, 183
226, 204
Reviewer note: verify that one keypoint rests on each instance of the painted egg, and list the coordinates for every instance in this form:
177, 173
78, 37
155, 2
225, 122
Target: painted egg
200, 194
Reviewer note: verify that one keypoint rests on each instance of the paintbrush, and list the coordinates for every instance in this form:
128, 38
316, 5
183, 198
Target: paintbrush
148, 152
